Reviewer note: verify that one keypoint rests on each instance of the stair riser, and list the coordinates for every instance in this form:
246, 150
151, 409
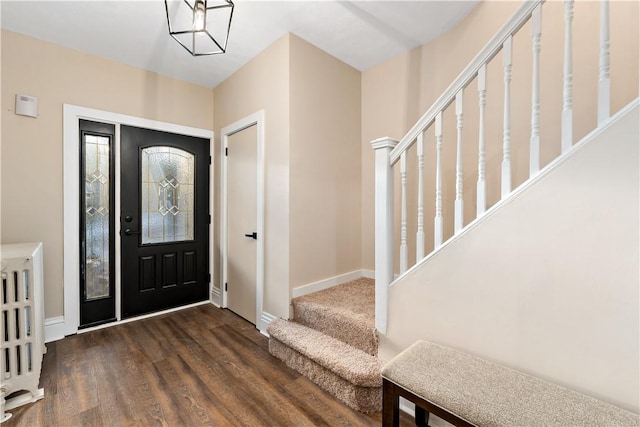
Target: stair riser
363, 399
342, 328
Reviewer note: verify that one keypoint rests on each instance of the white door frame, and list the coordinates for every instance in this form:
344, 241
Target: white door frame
71, 177
242, 124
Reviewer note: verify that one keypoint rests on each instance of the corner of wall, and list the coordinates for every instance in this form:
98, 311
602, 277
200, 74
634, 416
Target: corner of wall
325, 164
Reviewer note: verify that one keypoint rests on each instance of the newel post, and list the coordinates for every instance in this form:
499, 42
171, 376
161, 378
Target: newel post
383, 227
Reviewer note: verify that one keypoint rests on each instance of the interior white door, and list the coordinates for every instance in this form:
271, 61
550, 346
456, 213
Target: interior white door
242, 215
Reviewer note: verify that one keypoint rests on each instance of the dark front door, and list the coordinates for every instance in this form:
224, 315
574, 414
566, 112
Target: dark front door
164, 223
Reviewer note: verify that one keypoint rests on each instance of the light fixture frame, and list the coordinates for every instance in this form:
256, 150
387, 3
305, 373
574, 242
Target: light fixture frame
192, 49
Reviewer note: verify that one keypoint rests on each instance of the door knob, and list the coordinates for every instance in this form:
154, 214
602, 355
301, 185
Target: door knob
129, 232
253, 235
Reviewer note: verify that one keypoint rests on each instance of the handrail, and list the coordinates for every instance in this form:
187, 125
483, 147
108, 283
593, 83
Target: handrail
388, 152
465, 77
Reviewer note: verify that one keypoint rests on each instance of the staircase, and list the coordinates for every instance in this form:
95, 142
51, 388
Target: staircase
482, 291
514, 235
332, 341
471, 181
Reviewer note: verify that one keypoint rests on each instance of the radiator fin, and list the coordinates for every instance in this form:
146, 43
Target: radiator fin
22, 322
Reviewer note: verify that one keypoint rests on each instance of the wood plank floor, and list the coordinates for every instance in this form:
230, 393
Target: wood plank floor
198, 366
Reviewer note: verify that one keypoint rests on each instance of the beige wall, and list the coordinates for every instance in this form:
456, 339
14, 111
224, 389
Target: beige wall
32, 184
264, 84
312, 118
318, 181
397, 92
324, 165
547, 284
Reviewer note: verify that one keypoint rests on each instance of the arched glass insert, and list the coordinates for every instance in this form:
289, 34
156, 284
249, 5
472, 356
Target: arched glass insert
167, 195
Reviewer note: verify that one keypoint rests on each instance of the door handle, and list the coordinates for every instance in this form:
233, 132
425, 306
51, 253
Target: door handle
129, 232
253, 235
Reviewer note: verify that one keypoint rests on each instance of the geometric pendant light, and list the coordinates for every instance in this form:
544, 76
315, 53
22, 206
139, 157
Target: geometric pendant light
200, 26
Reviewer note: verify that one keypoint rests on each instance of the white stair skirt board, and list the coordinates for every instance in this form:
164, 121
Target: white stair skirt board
330, 282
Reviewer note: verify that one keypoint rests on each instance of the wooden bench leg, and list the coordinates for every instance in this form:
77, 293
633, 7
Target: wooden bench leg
422, 417
390, 405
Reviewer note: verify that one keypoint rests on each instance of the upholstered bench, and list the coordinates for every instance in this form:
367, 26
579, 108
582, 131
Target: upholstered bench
466, 390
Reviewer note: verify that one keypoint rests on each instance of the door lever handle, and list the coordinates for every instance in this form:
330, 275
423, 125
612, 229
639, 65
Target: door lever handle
129, 232
253, 235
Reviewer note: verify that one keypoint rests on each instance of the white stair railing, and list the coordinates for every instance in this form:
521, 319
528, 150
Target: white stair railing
567, 87
604, 84
389, 152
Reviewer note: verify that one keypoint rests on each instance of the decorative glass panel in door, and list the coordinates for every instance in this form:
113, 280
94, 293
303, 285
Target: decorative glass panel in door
97, 184
167, 195
97, 287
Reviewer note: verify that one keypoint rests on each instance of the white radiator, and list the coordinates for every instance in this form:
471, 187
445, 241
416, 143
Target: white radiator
22, 321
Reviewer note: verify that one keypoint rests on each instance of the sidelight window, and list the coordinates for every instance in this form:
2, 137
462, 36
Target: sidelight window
97, 202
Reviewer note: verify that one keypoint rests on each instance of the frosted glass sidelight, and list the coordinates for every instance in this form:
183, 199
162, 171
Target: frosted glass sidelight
167, 195
96, 181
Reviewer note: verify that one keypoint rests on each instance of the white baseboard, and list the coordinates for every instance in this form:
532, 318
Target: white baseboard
330, 282
369, 274
216, 296
53, 329
265, 319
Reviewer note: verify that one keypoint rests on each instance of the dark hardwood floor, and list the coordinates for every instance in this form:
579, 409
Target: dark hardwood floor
198, 366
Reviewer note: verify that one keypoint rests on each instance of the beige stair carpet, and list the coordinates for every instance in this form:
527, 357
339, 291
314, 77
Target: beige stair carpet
363, 399
345, 312
332, 341
346, 372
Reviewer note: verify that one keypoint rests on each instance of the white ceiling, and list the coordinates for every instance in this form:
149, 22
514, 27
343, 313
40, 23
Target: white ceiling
360, 33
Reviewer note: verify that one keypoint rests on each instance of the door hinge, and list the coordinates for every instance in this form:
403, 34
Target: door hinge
209, 219
226, 288
226, 151
209, 277
209, 159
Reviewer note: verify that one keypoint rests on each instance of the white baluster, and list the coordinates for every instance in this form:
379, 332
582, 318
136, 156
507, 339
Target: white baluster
438, 224
534, 147
459, 204
567, 91
403, 212
506, 138
481, 201
420, 232
604, 84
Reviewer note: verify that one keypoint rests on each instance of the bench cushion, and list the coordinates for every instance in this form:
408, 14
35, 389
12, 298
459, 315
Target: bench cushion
487, 394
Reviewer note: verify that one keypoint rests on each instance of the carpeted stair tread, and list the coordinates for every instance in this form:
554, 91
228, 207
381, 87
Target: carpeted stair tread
355, 298
347, 362
345, 312
363, 399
